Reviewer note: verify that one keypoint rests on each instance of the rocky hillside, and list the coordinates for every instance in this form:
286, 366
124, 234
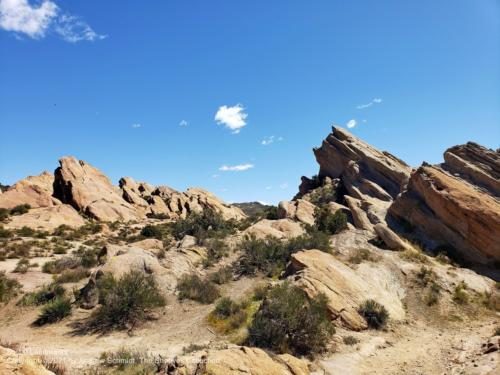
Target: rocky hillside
360, 273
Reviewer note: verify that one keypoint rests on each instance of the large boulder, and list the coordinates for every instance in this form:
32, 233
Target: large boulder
37, 191
446, 211
47, 218
283, 228
299, 210
318, 272
91, 192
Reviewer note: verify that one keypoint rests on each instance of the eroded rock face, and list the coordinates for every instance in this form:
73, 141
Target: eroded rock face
299, 210
36, 191
21, 364
47, 218
91, 192
283, 228
364, 170
447, 211
318, 272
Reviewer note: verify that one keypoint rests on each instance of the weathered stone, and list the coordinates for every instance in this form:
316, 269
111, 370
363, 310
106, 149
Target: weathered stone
283, 228
36, 191
47, 218
91, 192
359, 216
318, 272
391, 239
299, 210
20, 364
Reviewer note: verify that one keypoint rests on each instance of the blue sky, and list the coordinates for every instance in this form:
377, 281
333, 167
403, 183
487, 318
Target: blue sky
134, 87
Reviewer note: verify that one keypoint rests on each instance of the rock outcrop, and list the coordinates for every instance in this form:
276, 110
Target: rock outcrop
37, 191
20, 364
318, 272
282, 228
47, 218
445, 211
299, 210
91, 192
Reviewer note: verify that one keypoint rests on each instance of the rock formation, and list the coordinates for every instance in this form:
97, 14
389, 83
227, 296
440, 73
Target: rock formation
47, 218
37, 191
20, 364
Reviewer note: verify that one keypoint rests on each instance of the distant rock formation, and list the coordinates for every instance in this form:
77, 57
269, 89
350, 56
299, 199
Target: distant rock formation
37, 191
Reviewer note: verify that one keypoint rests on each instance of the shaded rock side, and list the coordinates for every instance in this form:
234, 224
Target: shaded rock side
91, 192
36, 191
318, 272
446, 211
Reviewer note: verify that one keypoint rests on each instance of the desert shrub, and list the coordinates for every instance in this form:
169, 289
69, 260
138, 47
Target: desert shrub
61, 230
375, 314
54, 365
61, 264
426, 275
271, 213
197, 289
4, 214
490, 300
460, 295
42, 296
216, 250
361, 255
126, 301
322, 195
207, 224
22, 266
9, 288
270, 255
155, 231
350, 340
229, 315
414, 255
88, 257
327, 222
26, 232
222, 275
60, 250
289, 322
433, 294
128, 361
260, 292
20, 209
496, 332
73, 275
55, 311
5, 233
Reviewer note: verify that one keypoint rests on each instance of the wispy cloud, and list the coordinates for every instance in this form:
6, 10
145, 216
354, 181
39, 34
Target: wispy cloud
236, 168
269, 187
367, 105
268, 140
284, 185
215, 175
233, 118
136, 126
35, 21
351, 123
183, 123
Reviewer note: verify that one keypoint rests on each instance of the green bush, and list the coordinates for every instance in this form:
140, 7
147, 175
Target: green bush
40, 297
26, 232
323, 195
55, 311
126, 301
5, 233
216, 250
375, 314
73, 275
9, 288
4, 214
154, 231
197, 289
361, 255
327, 222
222, 276
207, 224
271, 213
20, 209
289, 322
460, 295
22, 266
61, 264
229, 315
350, 340
225, 308
270, 255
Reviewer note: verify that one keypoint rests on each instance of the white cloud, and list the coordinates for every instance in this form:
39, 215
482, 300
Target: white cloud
20, 17
236, 168
269, 187
284, 185
374, 101
136, 126
183, 123
73, 29
268, 140
351, 123
231, 117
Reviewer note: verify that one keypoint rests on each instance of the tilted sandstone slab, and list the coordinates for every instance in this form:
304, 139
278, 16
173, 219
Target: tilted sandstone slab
298, 210
318, 272
447, 211
36, 191
476, 164
91, 192
47, 218
283, 228
364, 169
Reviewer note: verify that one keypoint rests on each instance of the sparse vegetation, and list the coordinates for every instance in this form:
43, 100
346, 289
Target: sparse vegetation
361, 255
4, 214
22, 266
229, 315
207, 224
129, 361
5, 233
414, 255
194, 288
460, 295
350, 340
155, 231
222, 276
216, 250
329, 222
375, 314
270, 255
322, 194
9, 288
55, 311
289, 322
45, 294
126, 301
73, 275
426, 275
20, 209
433, 294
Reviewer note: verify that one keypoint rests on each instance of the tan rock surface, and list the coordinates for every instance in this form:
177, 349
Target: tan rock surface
20, 364
283, 228
391, 239
47, 218
91, 192
298, 210
319, 272
448, 211
36, 191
